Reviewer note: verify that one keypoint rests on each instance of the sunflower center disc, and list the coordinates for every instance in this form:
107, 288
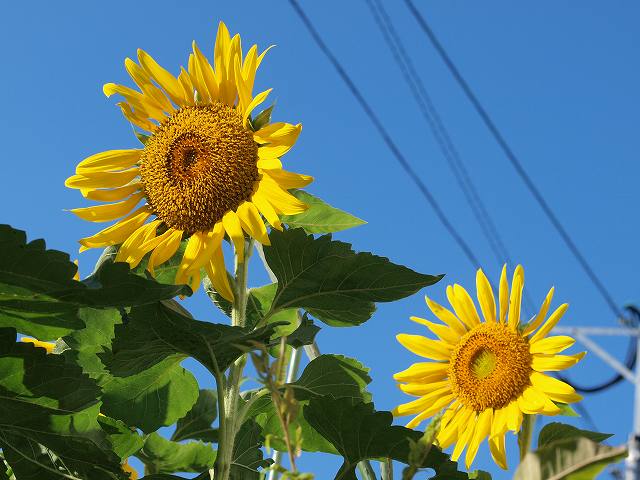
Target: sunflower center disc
199, 163
490, 367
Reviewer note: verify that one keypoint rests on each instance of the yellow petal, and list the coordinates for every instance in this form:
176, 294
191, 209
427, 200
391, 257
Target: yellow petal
252, 222
288, 180
462, 305
499, 424
153, 93
485, 297
514, 417
217, 273
278, 133
442, 331
504, 294
424, 402
269, 163
110, 195
118, 232
446, 316
467, 433
425, 347
205, 72
187, 86
167, 81
555, 363
195, 254
139, 118
134, 249
233, 227
450, 432
551, 345
498, 450
423, 371
165, 249
554, 318
139, 101
260, 200
257, 100
420, 389
112, 211
281, 200
555, 389
437, 405
542, 313
109, 160
102, 179
530, 402
483, 426
515, 301
48, 346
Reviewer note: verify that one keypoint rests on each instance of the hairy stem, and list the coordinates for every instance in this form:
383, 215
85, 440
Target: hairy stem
229, 402
525, 435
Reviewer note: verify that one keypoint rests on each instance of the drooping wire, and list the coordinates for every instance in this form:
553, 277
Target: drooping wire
513, 159
400, 158
442, 136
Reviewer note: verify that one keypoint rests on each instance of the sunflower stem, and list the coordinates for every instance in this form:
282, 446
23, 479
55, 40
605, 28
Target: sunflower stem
230, 418
366, 470
526, 434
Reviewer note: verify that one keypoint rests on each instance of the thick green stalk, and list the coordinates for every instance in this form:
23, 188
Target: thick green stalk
386, 469
229, 415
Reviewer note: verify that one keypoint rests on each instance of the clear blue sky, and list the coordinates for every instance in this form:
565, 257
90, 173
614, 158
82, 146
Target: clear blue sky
560, 78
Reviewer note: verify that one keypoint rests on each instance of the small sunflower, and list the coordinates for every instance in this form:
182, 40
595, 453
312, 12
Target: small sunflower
486, 374
204, 171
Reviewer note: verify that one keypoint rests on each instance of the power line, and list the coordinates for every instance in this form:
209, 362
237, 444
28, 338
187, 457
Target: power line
406, 166
513, 159
441, 135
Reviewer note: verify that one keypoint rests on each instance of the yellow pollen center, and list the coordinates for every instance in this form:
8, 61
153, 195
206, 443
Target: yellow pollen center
490, 367
199, 163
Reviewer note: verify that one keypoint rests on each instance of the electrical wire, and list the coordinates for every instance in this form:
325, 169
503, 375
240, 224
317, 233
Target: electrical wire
518, 166
400, 158
443, 138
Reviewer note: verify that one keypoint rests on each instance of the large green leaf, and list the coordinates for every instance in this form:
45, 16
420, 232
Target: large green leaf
247, 454
331, 281
558, 432
164, 456
358, 432
320, 217
125, 440
39, 297
334, 375
158, 332
156, 397
45, 402
196, 424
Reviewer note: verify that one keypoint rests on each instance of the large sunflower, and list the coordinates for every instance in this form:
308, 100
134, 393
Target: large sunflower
205, 170
487, 374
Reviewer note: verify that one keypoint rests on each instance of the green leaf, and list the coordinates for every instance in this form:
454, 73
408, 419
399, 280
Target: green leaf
142, 137
164, 456
196, 424
262, 119
124, 439
335, 375
331, 281
156, 397
558, 432
158, 332
567, 410
574, 458
479, 475
320, 217
359, 432
305, 334
247, 454
39, 297
47, 402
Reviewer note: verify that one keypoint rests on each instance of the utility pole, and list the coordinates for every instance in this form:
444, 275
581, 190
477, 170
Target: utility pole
632, 463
